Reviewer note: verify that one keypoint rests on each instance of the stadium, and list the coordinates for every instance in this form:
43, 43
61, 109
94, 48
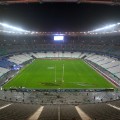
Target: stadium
73, 75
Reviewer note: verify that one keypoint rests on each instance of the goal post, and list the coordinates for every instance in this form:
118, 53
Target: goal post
55, 73
63, 73
59, 74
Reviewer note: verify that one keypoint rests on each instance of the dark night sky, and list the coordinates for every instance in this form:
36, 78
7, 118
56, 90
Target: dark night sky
59, 16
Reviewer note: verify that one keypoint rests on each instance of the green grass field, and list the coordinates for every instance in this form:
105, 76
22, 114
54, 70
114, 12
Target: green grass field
55, 74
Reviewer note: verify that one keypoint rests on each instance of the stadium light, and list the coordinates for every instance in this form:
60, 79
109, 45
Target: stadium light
12, 27
107, 29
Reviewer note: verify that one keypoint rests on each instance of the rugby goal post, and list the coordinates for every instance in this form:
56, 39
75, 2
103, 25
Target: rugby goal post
60, 79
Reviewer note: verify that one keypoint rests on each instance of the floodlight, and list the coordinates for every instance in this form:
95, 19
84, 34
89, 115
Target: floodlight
12, 27
106, 28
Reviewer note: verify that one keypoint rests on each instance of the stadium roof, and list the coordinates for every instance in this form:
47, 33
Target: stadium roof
110, 2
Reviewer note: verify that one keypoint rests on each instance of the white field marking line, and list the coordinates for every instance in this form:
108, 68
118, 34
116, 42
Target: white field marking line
55, 73
102, 74
113, 106
25, 81
63, 74
5, 106
18, 73
36, 115
82, 114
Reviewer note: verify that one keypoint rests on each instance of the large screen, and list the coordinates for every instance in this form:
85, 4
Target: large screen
57, 38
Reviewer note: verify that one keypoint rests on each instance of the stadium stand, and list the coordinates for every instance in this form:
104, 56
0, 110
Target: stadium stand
110, 64
46, 113
56, 55
19, 59
16, 111
6, 64
99, 111
69, 112
103, 52
3, 71
108, 45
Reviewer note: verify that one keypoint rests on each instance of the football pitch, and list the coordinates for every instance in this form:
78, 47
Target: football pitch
58, 74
